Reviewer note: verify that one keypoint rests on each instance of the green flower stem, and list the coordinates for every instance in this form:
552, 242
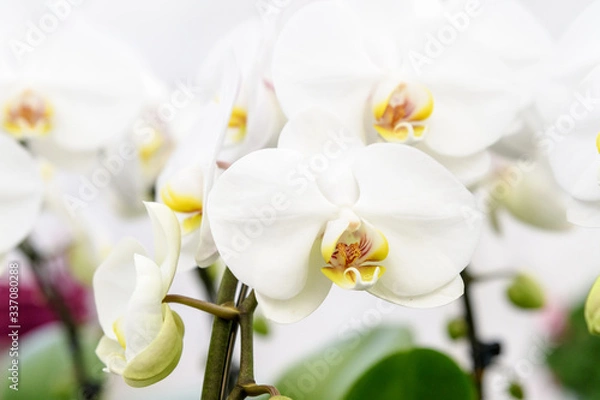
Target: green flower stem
221, 311
478, 366
247, 340
240, 392
493, 275
228, 375
219, 342
245, 385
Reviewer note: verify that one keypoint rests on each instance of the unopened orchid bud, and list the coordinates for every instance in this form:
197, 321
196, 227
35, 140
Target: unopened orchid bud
516, 391
161, 357
592, 309
525, 292
457, 328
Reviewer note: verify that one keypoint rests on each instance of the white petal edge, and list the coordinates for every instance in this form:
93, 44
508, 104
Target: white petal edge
439, 297
114, 283
167, 240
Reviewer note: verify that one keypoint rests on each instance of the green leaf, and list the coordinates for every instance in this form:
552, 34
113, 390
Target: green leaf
330, 372
44, 365
414, 375
573, 358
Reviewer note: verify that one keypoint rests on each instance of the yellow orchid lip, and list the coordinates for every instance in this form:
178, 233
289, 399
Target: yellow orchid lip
180, 202
598, 142
355, 278
400, 117
28, 115
353, 263
237, 125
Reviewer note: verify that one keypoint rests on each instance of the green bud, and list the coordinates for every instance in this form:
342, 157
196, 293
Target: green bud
261, 326
457, 328
516, 391
525, 292
161, 357
592, 309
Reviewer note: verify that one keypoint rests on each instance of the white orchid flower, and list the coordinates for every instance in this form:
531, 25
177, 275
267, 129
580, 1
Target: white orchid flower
255, 118
324, 208
369, 63
72, 95
142, 336
21, 195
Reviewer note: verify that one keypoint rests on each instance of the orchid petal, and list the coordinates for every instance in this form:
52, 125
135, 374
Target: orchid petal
584, 213
161, 356
112, 354
439, 297
422, 210
308, 299
114, 283
93, 82
468, 169
320, 60
330, 149
264, 199
143, 319
167, 241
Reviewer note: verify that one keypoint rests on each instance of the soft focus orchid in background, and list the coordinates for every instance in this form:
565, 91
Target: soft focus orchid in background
384, 218
72, 96
143, 336
368, 64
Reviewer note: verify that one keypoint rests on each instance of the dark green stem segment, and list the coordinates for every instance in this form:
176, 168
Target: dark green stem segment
219, 341
247, 339
241, 392
228, 375
482, 353
88, 389
245, 385
224, 312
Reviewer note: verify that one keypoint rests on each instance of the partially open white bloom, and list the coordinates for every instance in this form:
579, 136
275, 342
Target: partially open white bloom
391, 70
142, 336
21, 193
73, 95
324, 208
254, 118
